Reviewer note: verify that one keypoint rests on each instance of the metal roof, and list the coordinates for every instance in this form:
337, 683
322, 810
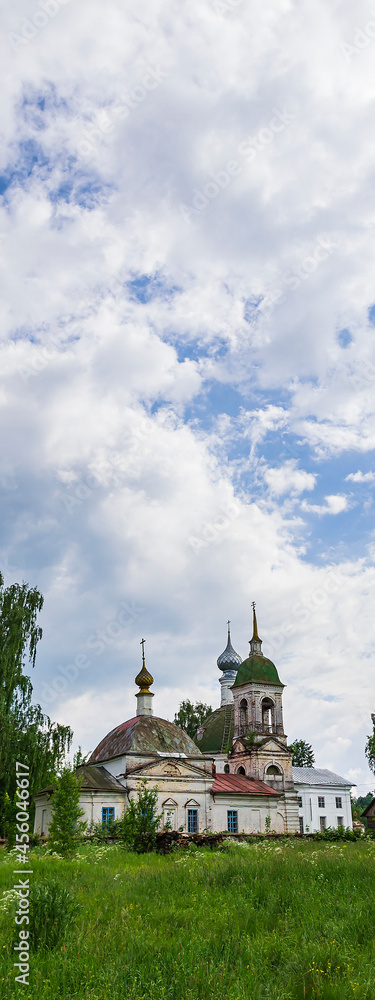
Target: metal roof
145, 734
229, 659
318, 776
210, 734
257, 669
239, 784
95, 778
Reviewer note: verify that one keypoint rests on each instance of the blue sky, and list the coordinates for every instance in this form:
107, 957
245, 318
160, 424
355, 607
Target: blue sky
188, 356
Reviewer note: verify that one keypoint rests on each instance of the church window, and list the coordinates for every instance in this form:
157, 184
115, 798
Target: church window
243, 715
108, 815
321, 801
300, 801
232, 821
273, 769
267, 714
226, 768
338, 802
241, 770
192, 821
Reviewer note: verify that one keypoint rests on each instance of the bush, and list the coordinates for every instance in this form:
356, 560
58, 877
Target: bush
52, 912
141, 821
101, 831
338, 833
66, 827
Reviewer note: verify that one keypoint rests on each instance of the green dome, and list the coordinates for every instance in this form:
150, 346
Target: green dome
257, 669
217, 730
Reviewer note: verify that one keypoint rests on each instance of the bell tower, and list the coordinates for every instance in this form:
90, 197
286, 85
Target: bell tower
259, 747
257, 694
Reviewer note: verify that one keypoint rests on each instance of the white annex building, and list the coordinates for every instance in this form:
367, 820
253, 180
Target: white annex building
237, 777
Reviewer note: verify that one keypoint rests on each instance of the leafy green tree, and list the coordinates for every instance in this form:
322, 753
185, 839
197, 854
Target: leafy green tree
141, 821
359, 804
66, 827
10, 821
303, 754
27, 734
370, 747
189, 717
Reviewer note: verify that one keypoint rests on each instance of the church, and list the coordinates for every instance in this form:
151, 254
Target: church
237, 777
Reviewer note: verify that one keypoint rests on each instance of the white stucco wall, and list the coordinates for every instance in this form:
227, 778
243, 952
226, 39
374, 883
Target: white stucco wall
91, 803
310, 811
176, 794
252, 811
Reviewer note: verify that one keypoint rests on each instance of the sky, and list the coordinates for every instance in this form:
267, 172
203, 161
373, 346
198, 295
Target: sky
188, 353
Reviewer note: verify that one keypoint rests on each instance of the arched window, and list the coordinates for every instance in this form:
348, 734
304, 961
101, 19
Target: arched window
226, 768
241, 770
170, 814
243, 715
268, 715
273, 773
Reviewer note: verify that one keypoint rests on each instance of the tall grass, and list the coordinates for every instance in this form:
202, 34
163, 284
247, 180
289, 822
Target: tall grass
268, 921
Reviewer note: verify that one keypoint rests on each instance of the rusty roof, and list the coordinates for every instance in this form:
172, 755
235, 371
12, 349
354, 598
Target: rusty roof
144, 734
239, 784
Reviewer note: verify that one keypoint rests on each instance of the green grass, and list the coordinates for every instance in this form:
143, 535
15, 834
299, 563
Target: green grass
268, 921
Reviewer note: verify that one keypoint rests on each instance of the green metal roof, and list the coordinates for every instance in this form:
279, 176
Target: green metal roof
257, 669
213, 730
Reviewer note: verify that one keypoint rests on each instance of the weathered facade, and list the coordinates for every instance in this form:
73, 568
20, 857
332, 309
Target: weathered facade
238, 777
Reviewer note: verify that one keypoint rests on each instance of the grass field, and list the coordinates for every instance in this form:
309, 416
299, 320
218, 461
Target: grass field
265, 921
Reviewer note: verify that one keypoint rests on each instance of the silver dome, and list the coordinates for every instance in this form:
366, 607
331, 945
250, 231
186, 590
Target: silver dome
229, 659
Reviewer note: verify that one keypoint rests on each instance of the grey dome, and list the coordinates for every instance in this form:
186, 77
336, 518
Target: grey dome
229, 659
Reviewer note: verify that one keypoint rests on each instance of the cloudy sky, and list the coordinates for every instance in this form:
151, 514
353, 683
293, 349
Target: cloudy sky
188, 357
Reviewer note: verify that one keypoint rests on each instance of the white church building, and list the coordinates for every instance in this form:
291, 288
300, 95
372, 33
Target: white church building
238, 776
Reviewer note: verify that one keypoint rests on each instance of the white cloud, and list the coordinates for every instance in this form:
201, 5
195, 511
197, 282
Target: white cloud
335, 504
289, 479
113, 488
361, 477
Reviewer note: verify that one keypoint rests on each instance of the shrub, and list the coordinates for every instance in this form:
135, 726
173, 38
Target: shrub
101, 831
52, 912
66, 826
338, 833
141, 821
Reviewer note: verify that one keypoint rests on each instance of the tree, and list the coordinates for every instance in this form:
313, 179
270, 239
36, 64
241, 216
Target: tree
370, 747
189, 717
27, 734
303, 754
66, 826
358, 806
141, 821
